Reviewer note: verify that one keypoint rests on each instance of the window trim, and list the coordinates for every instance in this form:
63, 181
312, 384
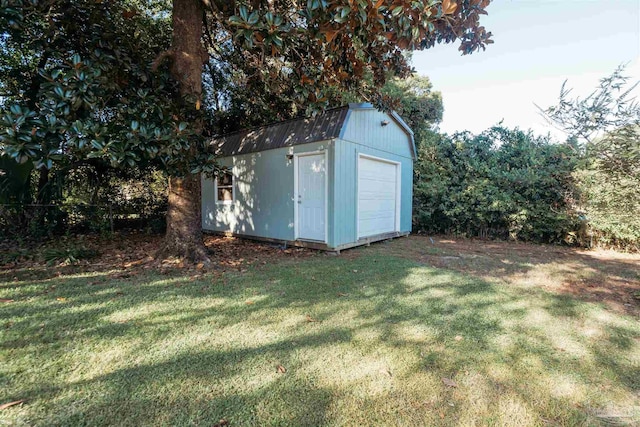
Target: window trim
233, 188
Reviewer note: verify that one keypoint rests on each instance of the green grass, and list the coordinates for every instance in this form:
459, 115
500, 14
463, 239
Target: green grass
153, 349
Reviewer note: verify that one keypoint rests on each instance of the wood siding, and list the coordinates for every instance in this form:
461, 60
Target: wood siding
345, 218
264, 185
364, 126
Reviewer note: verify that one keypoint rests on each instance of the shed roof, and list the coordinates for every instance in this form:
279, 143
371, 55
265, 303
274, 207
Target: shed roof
282, 134
304, 130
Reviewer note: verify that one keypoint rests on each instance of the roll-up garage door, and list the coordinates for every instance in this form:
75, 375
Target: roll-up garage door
377, 196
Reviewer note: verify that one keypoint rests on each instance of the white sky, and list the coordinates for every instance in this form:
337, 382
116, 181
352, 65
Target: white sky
538, 44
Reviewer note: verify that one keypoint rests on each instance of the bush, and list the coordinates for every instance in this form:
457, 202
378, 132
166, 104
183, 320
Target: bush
68, 255
86, 200
612, 208
503, 183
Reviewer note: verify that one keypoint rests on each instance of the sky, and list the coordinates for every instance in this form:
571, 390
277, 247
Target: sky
537, 45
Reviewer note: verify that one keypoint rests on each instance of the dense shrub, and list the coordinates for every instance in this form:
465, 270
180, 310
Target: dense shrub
502, 183
612, 207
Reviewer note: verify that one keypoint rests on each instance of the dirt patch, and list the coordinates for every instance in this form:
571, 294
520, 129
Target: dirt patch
599, 275
127, 254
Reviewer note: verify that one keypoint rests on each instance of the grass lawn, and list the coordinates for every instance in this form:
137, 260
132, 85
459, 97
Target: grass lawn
402, 333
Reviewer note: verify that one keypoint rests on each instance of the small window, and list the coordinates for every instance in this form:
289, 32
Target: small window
224, 187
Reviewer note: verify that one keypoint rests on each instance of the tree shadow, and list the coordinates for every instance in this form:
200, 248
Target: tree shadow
598, 276
366, 331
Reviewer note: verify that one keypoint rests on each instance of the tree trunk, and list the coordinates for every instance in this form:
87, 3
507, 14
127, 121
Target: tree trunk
42, 198
43, 195
184, 226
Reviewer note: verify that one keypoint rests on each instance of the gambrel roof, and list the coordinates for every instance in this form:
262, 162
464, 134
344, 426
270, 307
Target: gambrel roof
304, 130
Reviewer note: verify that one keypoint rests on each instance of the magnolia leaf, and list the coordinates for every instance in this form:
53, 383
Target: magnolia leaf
448, 6
244, 13
253, 18
10, 404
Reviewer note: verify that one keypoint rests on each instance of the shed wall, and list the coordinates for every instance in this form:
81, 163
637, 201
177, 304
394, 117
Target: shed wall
264, 184
346, 191
364, 126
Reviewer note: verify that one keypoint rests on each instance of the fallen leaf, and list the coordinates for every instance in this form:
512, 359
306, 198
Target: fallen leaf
221, 423
249, 302
10, 404
281, 369
449, 382
340, 294
458, 338
61, 299
6, 300
355, 271
310, 319
386, 372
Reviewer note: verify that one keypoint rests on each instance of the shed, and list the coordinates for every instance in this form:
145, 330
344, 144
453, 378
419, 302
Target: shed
338, 180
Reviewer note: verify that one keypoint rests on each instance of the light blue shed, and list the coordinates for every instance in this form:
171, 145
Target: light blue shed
338, 180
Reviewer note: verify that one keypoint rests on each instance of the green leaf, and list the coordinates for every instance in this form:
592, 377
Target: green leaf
253, 18
244, 13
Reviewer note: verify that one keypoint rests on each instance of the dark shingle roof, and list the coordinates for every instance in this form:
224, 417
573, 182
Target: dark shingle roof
283, 134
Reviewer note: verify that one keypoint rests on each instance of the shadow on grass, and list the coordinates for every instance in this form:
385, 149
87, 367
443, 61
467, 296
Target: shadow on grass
599, 276
197, 350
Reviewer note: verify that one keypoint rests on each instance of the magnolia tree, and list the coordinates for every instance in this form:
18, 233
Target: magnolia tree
120, 82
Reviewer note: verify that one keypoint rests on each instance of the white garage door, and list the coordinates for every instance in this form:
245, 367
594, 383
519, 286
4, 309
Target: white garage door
378, 196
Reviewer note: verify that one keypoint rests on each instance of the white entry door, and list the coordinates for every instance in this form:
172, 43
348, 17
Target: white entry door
311, 197
378, 196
